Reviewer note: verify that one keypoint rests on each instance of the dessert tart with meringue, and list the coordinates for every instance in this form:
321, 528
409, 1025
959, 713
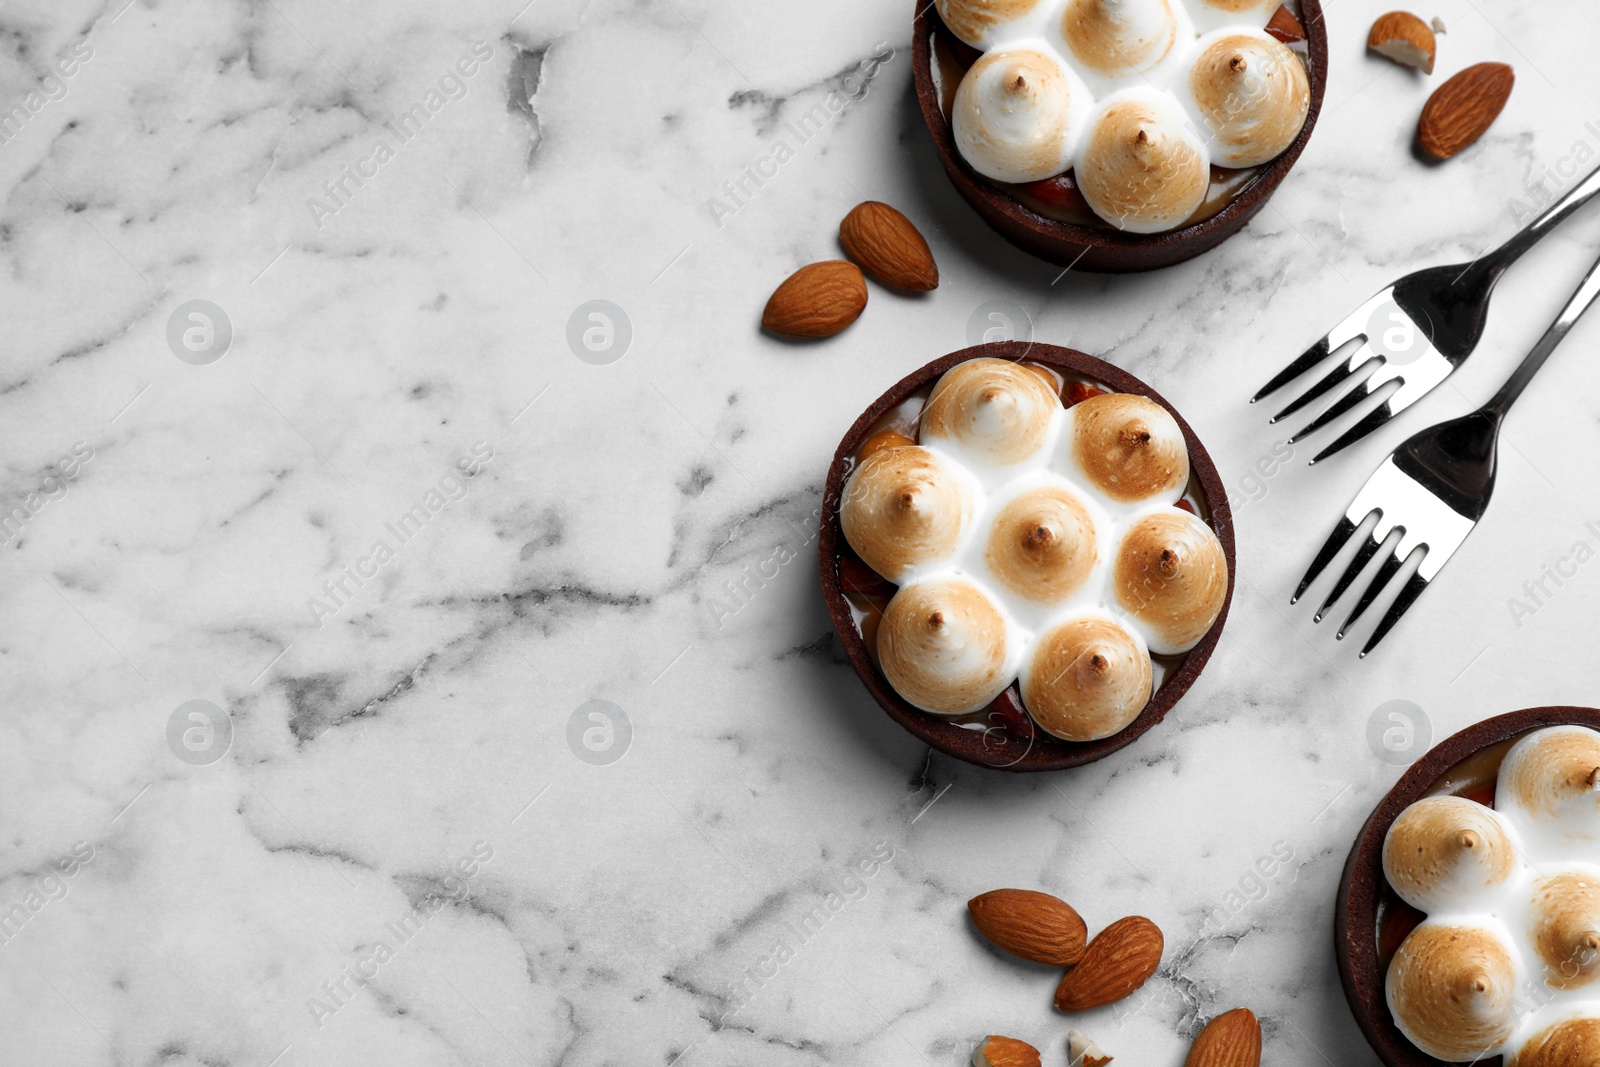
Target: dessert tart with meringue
1119, 135
1027, 554
1468, 922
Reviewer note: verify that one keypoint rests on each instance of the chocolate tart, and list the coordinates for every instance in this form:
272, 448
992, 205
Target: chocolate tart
994, 748
1370, 920
1104, 248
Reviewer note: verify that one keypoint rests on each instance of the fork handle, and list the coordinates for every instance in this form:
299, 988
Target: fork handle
1588, 289
1553, 216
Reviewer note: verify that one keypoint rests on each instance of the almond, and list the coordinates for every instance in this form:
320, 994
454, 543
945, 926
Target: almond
1005, 1052
1035, 926
888, 247
1232, 1039
1081, 1052
1404, 38
1120, 959
817, 300
1461, 109
1285, 27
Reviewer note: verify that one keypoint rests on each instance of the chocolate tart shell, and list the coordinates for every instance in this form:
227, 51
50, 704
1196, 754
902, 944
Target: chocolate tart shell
1007, 752
1096, 248
1355, 934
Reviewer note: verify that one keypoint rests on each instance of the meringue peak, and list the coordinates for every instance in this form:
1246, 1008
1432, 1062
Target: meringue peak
1452, 989
1016, 115
902, 508
1042, 546
992, 409
943, 645
1172, 576
1446, 849
1251, 92
1118, 38
1089, 678
1130, 447
1140, 166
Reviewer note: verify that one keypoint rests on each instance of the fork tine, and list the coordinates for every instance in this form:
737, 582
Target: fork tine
1369, 422
1364, 554
1341, 534
1385, 572
1308, 359
1343, 372
1408, 595
1361, 391
1352, 327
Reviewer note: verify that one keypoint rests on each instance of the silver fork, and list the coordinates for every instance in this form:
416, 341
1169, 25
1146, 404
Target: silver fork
1414, 332
1433, 489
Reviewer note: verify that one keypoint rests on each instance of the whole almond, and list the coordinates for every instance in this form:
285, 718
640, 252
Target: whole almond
1404, 38
817, 300
1232, 1039
1035, 926
888, 247
1120, 959
999, 1051
1461, 109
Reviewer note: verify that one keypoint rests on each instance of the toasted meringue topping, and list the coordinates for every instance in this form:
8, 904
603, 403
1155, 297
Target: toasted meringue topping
1569, 1043
1141, 167
991, 410
974, 21
1445, 849
1214, 14
1171, 574
1566, 927
1089, 678
1042, 545
1119, 38
996, 537
1252, 93
903, 507
1553, 777
1017, 115
1451, 990
1130, 447
1517, 882
943, 646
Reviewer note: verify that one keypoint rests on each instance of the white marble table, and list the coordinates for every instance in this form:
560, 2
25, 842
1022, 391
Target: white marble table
396, 737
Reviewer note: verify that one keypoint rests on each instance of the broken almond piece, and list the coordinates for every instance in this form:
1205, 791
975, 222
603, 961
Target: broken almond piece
1081, 1052
999, 1051
1286, 27
1404, 38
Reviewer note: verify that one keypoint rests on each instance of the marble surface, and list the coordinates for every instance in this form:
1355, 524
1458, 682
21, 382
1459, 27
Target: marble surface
403, 842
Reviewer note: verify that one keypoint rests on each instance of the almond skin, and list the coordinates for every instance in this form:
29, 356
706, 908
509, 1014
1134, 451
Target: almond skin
1232, 1039
1120, 959
1461, 109
817, 300
999, 1051
1404, 38
888, 247
1035, 926
1285, 27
